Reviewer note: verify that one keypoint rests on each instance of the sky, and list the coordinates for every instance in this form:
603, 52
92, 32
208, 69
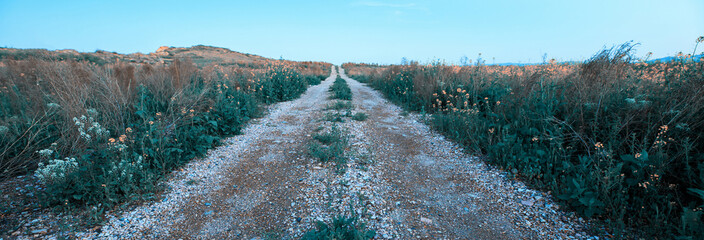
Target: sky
372, 31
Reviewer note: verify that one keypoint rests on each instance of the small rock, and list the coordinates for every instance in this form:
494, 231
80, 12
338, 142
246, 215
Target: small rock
527, 202
39, 231
426, 220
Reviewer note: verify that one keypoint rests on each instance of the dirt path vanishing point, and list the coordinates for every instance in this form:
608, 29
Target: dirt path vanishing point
404, 181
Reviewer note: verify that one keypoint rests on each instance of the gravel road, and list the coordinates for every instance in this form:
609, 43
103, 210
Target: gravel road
404, 180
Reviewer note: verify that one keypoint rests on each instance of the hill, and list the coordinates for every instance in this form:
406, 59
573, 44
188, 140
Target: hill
200, 54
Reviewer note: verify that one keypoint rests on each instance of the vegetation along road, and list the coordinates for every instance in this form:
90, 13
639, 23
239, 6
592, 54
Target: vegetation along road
318, 166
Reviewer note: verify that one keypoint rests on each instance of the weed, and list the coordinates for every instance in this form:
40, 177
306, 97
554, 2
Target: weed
360, 78
314, 79
330, 147
340, 90
334, 117
340, 105
360, 116
341, 227
334, 136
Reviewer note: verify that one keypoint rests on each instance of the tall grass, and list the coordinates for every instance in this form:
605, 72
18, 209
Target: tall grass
619, 141
100, 134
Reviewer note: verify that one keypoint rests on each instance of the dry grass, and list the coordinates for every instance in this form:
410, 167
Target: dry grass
32, 88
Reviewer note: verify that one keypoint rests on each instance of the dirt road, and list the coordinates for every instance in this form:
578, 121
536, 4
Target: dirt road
403, 180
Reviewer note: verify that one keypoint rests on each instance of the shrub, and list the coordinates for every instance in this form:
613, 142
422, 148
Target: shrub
360, 78
360, 116
612, 139
104, 134
341, 227
340, 90
335, 117
314, 79
340, 105
330, 147
281, 83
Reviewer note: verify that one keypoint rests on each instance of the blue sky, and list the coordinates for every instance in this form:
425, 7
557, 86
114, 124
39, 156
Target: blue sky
372, 31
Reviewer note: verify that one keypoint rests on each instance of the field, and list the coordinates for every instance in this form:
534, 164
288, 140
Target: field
204, 142
612, 138
96, 132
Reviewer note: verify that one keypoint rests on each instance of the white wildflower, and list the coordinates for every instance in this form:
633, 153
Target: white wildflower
46, 153
92, 112
56, 171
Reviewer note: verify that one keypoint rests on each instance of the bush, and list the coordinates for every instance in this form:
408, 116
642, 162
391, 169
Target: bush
315, 79
330, 147
104, 134
360, 116
619, 141
340, 105
340, 90
281, 84
360, 78
343, 228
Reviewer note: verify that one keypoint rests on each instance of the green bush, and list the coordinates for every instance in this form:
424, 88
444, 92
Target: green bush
340, 105
315, 79
340, 90
279, 84
111, 170
104, 134
360, 116
619, 141
342, 228
360, 78
335, 117
330, 147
